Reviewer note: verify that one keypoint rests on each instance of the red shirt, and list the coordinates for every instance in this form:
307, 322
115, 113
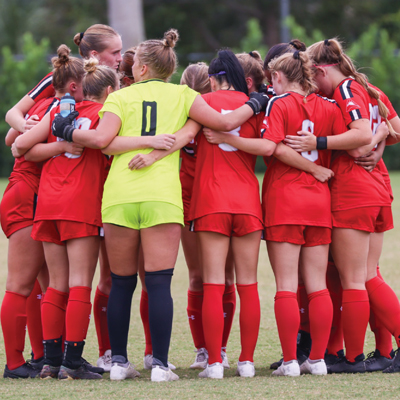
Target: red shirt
352, 186
291, 196
29, 171
43, 89
224, 179
71, 188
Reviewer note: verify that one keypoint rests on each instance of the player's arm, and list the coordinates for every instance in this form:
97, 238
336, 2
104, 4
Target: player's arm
15, 117
395, 122
182, 137
258, 147
369, 161
292, 158
12, 134
27, 140
43, 151
358, 135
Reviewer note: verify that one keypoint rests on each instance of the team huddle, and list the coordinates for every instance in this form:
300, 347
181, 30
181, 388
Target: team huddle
102, 182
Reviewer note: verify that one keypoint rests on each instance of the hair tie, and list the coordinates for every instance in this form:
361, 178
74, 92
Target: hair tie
251, 54
294, 45
326, 42
217, 73
81, 35
296, 55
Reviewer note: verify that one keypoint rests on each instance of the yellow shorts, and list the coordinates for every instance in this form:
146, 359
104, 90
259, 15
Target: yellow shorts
143, 215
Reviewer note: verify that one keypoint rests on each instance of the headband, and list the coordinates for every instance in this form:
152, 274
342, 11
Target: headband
217, 73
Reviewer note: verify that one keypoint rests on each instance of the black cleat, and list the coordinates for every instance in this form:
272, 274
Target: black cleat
331, 359
23, 372
347, 367
92, 368
276, 364
303, 346
375, 362
80, 373
395, 367
37, 364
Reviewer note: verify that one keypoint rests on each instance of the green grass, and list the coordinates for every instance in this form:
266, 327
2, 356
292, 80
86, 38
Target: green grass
263, 386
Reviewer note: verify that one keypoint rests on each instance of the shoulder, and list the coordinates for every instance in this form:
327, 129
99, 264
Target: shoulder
277, 102
348, 89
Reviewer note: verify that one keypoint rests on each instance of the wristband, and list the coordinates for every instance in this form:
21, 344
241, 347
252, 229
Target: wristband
322, 143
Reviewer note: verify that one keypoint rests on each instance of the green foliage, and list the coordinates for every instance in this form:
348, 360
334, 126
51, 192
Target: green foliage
17, 77
253, 40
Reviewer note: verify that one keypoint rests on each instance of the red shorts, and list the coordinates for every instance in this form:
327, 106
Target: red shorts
58, 232
369, 219
17, 208
187, 189
227, 224
307, 236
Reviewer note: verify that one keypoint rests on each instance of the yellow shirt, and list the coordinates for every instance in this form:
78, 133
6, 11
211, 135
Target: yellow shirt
151, 107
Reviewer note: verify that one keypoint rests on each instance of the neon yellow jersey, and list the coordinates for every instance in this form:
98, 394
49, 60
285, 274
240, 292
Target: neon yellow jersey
151, 107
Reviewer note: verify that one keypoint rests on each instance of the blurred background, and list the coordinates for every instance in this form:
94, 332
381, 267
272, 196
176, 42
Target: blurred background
31, 31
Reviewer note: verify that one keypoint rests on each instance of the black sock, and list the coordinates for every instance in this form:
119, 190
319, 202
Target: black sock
161, 310
119, 312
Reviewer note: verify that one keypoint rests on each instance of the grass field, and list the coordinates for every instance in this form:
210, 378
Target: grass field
263, 386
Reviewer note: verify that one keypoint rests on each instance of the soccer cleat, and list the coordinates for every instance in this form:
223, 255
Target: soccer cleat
331, 359
120, 371
49, 372
376, 362
80, 373
245, 369
92, 368
200, 362
314, 367
224, 356
148, 362
36, 364
104, 361
162, 374
395, 367
347, 367
288, 368
213, 371
303, 346
23, 372
276, 364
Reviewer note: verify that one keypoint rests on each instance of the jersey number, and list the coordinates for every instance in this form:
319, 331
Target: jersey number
312, 155
235, 132
149, 118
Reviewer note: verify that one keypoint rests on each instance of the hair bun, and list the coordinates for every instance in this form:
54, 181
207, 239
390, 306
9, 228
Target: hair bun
298, 45
91, 65
170, 38
62, 58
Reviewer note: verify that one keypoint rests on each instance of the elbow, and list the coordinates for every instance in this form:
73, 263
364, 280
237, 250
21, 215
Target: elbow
100, 143
8, 117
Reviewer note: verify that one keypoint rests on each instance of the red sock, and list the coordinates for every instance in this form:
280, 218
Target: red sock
288, 320
249, 319
213, 320
100, 319
195, 304
385, 305
144, 314
53, 313
34, 320
335, 342
77, 316
321, 313
302, 299
355, 316
229, 306
13, 322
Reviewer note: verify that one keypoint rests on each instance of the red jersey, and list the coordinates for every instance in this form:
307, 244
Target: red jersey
352, 186
71, 188
291, 196
224, 178
29, 171
43, 89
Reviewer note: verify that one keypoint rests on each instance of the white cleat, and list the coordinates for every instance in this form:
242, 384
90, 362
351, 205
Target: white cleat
105, 361
289, 368
245, 369
213, 371
119, 372
314, 367
148, 362
159, 374
224, 356
201, 359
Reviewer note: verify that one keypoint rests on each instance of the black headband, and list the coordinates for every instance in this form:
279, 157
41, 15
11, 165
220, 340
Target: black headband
294, 45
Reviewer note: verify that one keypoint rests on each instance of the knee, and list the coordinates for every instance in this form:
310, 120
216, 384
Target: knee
196, 283
105, 284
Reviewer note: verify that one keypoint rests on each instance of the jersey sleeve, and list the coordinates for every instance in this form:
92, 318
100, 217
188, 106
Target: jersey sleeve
43, 89
273, 124
352, 102
112, 105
